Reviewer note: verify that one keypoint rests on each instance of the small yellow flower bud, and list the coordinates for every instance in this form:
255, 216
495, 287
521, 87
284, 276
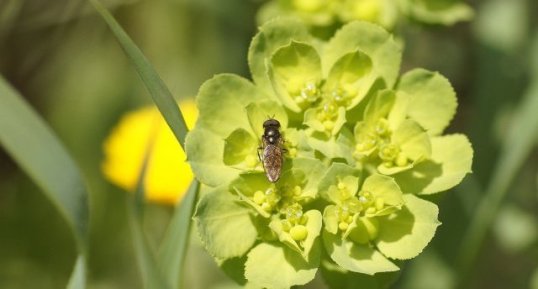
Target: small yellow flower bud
341, 186
328, 125
344, 215
388, 152
266, 207
370, 210
297, 190
298, 232
402, 160
259, 197
343, 226
292, 152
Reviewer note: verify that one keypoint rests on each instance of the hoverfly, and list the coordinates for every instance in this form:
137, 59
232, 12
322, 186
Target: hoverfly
272, 143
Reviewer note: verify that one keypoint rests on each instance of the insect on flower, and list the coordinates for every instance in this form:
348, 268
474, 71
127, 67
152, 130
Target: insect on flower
272, 143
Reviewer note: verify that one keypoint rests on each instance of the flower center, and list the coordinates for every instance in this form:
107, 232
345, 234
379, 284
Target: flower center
378, 137
294, 221
267, 200
307, 95
365, 204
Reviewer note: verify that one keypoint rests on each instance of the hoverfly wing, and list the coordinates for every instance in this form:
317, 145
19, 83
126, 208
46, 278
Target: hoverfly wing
272, 162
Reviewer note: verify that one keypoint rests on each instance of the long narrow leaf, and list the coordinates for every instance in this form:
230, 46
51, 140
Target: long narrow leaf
32, 144
78, 277
159, 92
146, 259
174, 245
151, 275
517, 145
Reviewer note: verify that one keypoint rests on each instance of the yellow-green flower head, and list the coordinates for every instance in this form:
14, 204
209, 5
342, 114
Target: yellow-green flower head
334, 13
360, 145
168, 174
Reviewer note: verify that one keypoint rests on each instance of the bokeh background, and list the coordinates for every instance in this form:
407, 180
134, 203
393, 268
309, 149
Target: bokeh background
64, 60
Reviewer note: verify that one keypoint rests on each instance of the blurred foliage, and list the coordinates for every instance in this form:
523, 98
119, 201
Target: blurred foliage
67, 64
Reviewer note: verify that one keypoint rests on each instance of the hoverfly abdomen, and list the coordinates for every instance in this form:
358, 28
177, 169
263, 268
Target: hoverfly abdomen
272, 150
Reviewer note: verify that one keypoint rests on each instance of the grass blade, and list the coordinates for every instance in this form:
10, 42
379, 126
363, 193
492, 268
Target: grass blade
32, 144
174, 245
517, 145
159, 92
78, 277
151, 275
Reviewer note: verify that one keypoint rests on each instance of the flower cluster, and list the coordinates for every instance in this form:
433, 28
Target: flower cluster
329, 13
361, 145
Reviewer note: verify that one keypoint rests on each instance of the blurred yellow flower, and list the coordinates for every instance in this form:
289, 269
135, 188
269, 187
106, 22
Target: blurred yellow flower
168, 174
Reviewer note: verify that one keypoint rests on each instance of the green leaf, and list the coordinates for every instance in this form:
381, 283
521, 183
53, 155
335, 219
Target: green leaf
370, 39
313, 227
384, 187
335, 172
78, 276
412, 140
34, 147
438, 12
247, 185
205, 151
225, 97
159, 92
451, 160
405, 233
432, 99
239, 149
151, 275
225, 227
379, 106
292, 68
337, 278
314, 170
352, 77
296, 142
261, 111
279, 267
272, 35
354, 257
235, 269
171, 258
331, 219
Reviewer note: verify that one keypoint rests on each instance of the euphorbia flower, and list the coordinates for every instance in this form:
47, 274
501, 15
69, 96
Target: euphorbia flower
359, 142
